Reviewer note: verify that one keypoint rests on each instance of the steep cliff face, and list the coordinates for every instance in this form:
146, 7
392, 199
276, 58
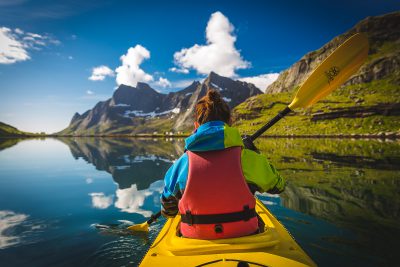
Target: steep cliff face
384, 57
142, 109
368, 103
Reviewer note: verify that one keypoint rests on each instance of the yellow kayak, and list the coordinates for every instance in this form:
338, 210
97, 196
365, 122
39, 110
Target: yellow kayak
273, 247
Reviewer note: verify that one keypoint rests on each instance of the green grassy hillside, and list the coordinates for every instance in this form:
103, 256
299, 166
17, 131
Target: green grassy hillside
368, 108
9, 131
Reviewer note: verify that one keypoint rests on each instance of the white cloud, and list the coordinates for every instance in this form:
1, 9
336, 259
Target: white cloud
219, 54
15, 44
101, 201
18, 31
179, 70
9, 219
163, 82
34, 35
261, 81
89, 92
129, 73
11, 49
70, 57
100, 73
132, 200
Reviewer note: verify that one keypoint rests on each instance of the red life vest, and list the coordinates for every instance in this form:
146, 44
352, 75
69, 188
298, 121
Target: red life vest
217, 202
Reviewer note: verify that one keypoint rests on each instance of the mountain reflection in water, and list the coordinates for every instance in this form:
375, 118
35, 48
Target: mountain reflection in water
341, 202
353, 184
136, 165
130, 161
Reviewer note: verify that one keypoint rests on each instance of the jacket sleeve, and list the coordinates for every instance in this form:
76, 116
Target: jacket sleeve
175, 182
259, 172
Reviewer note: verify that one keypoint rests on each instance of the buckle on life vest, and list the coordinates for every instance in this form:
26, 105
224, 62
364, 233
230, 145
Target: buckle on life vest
218, 228
189, 218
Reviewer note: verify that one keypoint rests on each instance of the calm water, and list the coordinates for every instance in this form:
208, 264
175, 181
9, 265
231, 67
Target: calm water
342, 201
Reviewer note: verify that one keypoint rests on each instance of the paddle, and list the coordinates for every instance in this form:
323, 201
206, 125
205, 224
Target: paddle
329, 75
343, 62
144, 227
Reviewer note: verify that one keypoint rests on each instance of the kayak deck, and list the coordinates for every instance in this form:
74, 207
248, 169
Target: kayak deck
273, 247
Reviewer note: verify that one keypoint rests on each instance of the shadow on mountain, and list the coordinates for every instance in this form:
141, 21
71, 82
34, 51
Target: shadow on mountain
129, 160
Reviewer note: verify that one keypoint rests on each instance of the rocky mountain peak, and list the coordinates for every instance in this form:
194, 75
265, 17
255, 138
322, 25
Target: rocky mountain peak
143, 86
75, 117
191, 88
143, 97
214, 78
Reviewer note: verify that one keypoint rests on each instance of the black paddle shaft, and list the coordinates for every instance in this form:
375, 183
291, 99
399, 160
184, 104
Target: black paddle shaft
274, 120
154, 217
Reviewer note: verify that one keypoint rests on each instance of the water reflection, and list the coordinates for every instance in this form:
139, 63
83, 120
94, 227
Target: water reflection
18, 229
333, 179
101, 201
9, 220
8, 142
353, 184
130, 161
341, 201
132, 200
136, 165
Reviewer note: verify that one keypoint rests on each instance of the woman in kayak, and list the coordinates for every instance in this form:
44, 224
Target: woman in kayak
212, 184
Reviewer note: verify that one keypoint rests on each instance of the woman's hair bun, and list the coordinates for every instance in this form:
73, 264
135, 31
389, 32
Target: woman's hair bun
212, 107
213, 96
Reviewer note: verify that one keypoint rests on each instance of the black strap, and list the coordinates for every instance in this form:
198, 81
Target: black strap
243, 215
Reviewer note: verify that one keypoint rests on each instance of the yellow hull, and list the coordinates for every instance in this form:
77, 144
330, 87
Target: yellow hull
273, 247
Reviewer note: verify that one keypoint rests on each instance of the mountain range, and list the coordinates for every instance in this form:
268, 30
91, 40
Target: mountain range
141, 109
367, 104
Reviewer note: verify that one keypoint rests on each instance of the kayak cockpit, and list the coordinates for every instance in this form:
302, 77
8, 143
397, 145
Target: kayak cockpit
271, 247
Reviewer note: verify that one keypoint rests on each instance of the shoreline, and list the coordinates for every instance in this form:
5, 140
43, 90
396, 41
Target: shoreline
387, 135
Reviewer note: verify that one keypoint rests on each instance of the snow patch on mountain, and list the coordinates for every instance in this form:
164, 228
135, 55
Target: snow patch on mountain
120, 105
217, 87
226, 99
140, 113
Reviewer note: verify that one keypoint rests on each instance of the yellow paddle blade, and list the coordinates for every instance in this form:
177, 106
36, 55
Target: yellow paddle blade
143, 227
333, 71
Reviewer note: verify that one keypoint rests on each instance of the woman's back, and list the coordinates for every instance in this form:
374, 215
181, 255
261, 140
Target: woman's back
216, 200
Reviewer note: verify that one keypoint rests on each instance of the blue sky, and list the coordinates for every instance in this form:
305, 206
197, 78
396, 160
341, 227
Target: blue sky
50, 49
